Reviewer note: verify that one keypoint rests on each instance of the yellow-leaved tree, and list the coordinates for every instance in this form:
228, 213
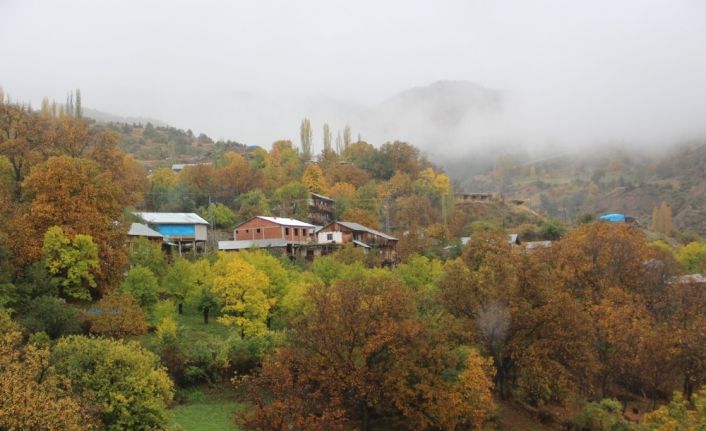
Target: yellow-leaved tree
241, 289
313, 179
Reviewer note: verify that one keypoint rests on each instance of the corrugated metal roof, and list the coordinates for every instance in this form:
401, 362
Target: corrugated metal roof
321, 196
257, 243
286, 221
171, 218
360, 228
360, 244
139, 229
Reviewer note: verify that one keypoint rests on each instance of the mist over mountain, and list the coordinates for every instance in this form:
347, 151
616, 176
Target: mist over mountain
104, 117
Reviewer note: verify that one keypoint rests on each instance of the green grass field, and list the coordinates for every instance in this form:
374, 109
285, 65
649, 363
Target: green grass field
206, 409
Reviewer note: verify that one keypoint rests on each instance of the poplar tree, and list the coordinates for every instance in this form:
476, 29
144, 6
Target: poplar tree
78, 112
339, 143
346, 137
327, 138
306, 134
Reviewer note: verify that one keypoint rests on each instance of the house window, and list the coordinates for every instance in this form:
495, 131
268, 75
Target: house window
258, 230
286, 231
329, 237
247, 230
236, 231
296, 231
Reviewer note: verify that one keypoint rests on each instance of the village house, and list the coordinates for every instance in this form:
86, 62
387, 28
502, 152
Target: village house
463, 198
139, 230
288, 236
321, 209
260, 227
185, 231
341, 232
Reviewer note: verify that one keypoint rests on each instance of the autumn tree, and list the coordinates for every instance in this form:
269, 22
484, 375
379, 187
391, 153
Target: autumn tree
127, 382
313, 179
71, 262
116, 315
362, 353
662, 219
241, 289
75, 195
33, 395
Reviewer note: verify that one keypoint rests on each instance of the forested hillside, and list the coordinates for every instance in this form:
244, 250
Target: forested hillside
594, 331
571, 186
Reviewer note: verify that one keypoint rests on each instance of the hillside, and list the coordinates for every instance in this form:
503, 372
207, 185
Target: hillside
163, 145
568, 186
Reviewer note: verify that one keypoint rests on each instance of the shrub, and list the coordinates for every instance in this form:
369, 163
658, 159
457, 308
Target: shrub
52, 316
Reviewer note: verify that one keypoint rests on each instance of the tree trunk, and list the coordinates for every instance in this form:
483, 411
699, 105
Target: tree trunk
205, 315
365, 416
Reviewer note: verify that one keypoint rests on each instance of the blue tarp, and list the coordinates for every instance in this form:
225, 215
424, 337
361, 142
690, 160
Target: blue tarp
612, 217
176, 229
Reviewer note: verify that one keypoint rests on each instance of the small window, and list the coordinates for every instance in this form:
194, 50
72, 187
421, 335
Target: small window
296, 231
258, 230
329, 237
286, 231
236, 231
247, 230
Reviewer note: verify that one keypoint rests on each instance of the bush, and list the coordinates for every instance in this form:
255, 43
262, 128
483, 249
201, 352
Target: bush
52, 316
242, 355
116, 315
603, 415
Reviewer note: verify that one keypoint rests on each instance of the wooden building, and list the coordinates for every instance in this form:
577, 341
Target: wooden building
464, 198
321, 209
341, 232
139, 230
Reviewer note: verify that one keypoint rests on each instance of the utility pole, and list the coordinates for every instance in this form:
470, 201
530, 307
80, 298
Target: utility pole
212, 221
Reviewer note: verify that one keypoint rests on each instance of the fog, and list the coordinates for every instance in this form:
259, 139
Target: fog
562, 75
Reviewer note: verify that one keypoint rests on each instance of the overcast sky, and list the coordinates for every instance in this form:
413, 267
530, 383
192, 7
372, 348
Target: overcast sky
593, 69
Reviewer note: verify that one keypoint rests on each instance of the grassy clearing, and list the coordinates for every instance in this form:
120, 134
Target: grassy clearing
205, 409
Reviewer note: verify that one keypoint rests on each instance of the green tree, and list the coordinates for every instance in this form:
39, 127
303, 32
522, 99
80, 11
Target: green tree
219, 214
692, 257
127, 382
52, 316
71, 262
142, 285
148, 254
178, 282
